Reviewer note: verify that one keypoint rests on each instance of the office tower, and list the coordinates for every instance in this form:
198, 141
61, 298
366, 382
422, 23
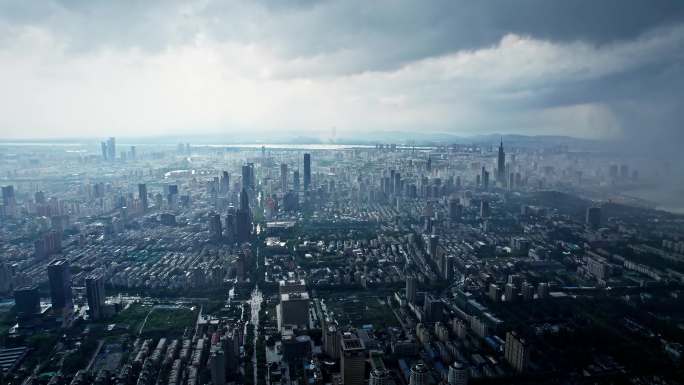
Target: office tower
428, 165
379, 377
307, 171
448, 267
245, 177
111, 148
455, 209
353, 360
432, 246
485, 179
485, 211
142, 195
458, 374
527, 291
248, 180
60, 284
494, 292
230, 227
27, 302
283, 177
624, 171
593, 217
9, 201
133, 153
411, 288
293, 310
215, 228
331, 341
501, 165
39, 197
244, 200
433, 308
516, 351
95, 293
8, 195
510, 292
391, 182
224, 183
419, 374
217, 367
397, 184
511, 181
295, 180
244, 218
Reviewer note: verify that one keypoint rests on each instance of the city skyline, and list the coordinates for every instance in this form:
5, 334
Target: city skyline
341, 192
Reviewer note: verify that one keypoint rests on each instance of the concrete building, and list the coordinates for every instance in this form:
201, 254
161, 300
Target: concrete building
458, 374
353, 360
59, 277
419, 374
293, 310
95, 294
516, 351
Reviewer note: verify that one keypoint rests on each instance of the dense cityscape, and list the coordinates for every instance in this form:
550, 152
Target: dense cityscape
341, 192
480, 263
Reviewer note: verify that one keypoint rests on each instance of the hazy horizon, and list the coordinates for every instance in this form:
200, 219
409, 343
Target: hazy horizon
340, 69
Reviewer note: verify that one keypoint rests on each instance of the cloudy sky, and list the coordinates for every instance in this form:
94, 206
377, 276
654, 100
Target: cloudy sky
585, 68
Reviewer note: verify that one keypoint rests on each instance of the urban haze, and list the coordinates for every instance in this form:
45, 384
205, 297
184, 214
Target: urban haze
315, 192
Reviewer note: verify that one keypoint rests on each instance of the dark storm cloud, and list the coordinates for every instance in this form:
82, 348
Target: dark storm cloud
527, 66
383, 34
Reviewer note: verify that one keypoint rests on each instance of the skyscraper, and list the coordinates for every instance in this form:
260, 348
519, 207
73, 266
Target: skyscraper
248, 176
516, 351
96, 296
433, 244
217, 366
307, 171
411, 288
244, 218
9, 201
448, 267
353, 360
215, 228
111, 147
455, 209
458, 374
501, 165
142, 195
419, 374
60, 284
224, 184
484, 209
283, 177
379, 377
27, 302
593, 217
295, 180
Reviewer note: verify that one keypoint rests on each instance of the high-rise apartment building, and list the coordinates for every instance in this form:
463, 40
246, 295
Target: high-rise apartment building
59, 277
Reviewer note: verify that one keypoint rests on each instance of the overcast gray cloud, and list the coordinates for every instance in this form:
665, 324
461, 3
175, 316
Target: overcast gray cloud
582, 68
